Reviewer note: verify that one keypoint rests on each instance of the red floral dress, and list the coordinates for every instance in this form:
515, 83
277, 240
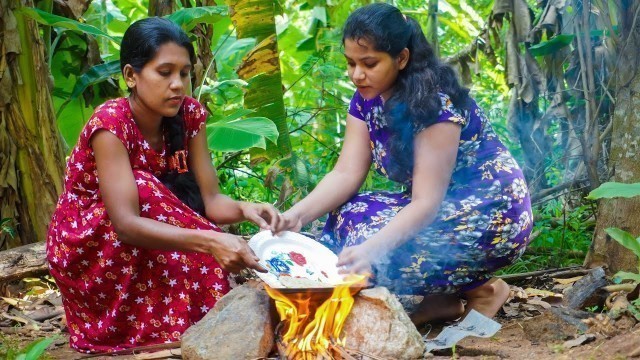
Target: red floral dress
117, 295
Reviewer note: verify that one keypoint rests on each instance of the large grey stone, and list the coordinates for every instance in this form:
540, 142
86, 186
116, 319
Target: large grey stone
378, 325
238, 327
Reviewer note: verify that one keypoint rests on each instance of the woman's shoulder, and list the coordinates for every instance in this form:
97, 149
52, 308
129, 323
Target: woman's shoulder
449, 112
192, 108
113, 110
359, 106
192, 105
194, 115
112, 115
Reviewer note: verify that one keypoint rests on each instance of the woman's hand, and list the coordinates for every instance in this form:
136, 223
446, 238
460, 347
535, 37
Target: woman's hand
357, 259
288, 221
233, 253
264, 215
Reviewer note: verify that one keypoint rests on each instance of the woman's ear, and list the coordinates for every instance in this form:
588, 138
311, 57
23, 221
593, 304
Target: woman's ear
129, 78
403, 58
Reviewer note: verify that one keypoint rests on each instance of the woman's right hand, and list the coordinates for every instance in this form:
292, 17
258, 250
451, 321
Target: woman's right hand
288, 221
233, 253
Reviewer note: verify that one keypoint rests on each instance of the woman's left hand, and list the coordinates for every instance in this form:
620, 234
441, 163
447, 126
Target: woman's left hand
357, 259
264, 215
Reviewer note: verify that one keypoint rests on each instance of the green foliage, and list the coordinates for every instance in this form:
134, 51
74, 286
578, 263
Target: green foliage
550, 46
190, 17
630, 242
610, 190
46, 18
316, 97
9, 350
625, 239
564, 235
6, 226
232, 133
93, 76
228, 133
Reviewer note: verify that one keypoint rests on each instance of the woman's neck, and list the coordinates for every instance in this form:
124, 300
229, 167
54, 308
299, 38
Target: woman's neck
386, 95
148, 122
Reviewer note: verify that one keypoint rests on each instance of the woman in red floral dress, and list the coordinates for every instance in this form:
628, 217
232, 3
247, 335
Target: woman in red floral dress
135, 264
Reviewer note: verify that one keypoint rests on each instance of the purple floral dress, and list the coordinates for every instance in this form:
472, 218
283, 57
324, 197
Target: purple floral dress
483, 223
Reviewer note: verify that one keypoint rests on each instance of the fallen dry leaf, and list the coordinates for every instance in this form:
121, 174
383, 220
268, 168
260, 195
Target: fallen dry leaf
531, 292
169, 353
539, 302
568, 281
582, 339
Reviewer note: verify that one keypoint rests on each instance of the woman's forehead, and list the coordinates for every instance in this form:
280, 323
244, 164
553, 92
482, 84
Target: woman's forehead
171, 53
360, 47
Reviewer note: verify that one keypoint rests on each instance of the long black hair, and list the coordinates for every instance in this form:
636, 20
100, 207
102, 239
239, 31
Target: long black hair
139, 45
415, 103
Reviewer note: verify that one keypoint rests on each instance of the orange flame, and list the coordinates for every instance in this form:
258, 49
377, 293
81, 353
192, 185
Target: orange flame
307, 335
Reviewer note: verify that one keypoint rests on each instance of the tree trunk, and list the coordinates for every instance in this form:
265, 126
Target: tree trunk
619, 212
161, 7
31, 156
432, 27
204, 34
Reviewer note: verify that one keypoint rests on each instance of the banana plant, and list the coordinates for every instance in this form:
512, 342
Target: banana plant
261, 67
254, 133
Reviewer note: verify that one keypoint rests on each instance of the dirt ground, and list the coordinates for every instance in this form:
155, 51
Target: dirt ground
532, 327
540, 337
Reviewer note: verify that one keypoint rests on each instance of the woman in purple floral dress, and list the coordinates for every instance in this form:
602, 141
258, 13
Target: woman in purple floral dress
466, 210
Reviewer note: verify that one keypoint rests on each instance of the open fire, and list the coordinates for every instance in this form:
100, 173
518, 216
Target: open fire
311, 323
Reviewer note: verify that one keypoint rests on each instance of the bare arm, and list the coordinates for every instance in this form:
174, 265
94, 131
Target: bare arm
120, 196
218, 207
435, 151
343, 181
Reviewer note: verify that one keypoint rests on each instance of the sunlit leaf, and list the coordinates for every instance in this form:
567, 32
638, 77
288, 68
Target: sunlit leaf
230, 52
320, 13
625, 239
218, 87
46, 18
94, 75
6, 227
456, 28
550, 46
234, 134
610, 190
188, 18
624, 275
35, 349
300, 172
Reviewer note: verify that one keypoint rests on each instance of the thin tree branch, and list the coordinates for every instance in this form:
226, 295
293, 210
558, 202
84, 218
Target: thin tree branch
319, 142
585, 137
558, 188
229, 158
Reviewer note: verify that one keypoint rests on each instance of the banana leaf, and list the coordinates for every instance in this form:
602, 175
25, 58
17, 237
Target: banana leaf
46, 18
261, 67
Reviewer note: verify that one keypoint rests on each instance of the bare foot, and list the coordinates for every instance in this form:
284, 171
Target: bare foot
438, 308
488, 298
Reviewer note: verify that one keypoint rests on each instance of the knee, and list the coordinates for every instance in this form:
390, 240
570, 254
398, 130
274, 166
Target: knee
490, 289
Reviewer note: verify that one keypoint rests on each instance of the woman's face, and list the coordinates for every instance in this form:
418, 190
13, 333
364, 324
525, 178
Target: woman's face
373, 72
159, 88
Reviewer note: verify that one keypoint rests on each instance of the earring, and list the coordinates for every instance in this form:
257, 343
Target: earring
130, 84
